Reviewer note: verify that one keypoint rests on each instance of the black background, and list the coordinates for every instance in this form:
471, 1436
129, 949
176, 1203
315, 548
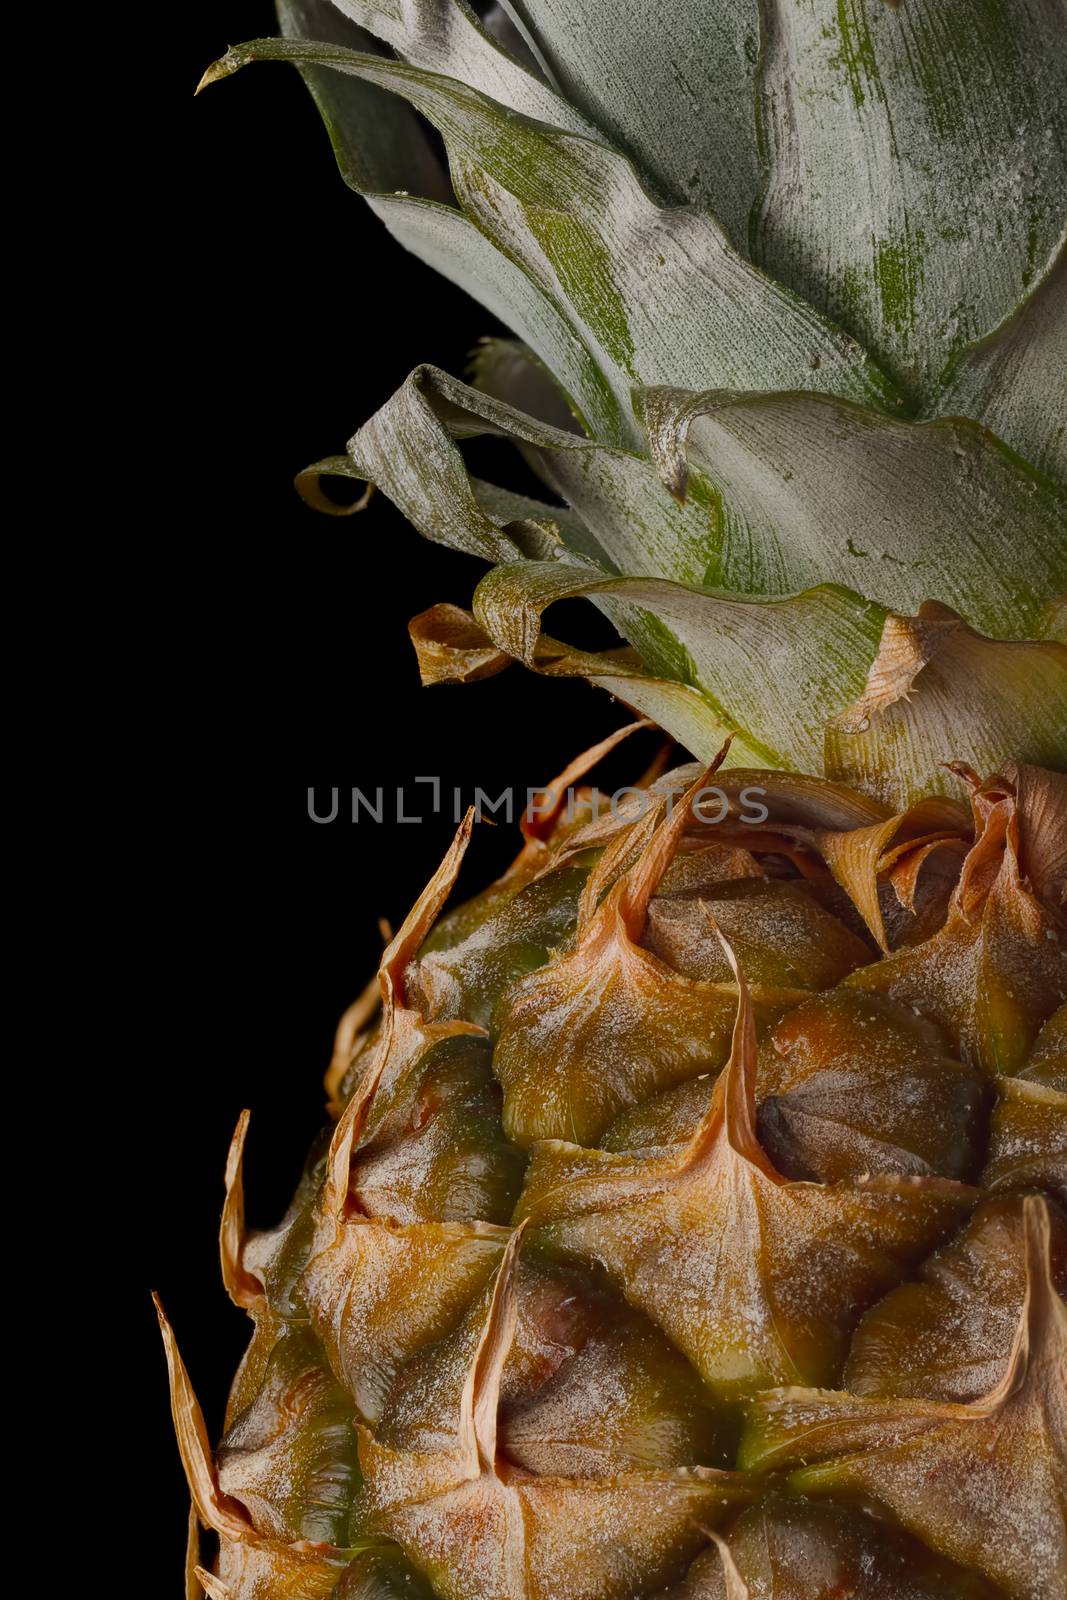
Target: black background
290, 316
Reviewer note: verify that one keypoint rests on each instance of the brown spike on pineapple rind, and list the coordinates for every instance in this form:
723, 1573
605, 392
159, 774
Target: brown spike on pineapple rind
540, 818
215, 1510
732, 1103
193, 1587
481, 1392
617, 855
349, 1130
1041, 1337
622, 1022
347, 1037
422, 916
404, 1035
242, 1286
640, 883
735, 1586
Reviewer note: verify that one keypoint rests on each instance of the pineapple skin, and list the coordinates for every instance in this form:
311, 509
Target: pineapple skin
636, 1156
690, 1225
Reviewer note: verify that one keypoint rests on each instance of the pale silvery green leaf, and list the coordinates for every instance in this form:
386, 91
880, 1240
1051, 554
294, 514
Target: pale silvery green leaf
940, 692
501, 26
407, 449
377, 140
380, 146
776, 670
1014, 382
450, 243
657, 296
918, 166
816, 490
444, 36
675, 92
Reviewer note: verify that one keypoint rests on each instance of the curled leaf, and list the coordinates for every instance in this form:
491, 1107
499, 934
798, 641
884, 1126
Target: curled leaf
452, 648
860, 857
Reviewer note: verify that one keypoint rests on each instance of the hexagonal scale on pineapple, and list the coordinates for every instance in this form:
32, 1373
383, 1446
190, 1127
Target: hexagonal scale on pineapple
382, 1573
377, 1292
757, 1279
609, 1024
984, 1482
261, 1270
852, 1083
438, 1153
948, 1336
997, 970
589, 1387
622, 1398
250, 1566
783, 937
1028, 1139
793, 1548
290, 1456
479, 951
482, 1528
1028, 1132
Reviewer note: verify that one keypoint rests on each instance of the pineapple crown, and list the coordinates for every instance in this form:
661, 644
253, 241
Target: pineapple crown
789, 285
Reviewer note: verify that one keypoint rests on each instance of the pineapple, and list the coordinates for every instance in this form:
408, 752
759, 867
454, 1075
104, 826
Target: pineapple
691, 1224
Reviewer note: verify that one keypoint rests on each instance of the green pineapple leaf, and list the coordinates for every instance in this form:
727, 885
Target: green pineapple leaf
679, 99
1013, 380
448, 241
938, 692
441, 36
814, 489
378, 141
656, 295
918, 167
776, 670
